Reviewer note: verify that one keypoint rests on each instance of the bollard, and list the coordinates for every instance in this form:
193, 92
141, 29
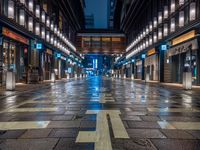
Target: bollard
10, 81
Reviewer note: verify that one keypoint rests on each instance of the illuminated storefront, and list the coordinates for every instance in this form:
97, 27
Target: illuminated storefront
183, 57
151, 65
14, 55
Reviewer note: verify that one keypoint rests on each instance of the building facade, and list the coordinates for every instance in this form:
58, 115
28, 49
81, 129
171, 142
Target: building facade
36, 39
164, 44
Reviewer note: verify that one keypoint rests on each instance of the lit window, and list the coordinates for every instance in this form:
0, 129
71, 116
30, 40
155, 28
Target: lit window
37, 29
30, 5
147, 29
173, 6
55, 29
10, 9
160, 17
165, 29
43, 33
52, 39
155, 37
150, 26
172, 25
37, 11
155, 22
47, 36
21, 17
48, 21
43, 16
160, 33
165, 12
55, 42
144, 45
52, 26
192, 11
22, 1
30, 24
150, 40
181, 2
181, 18
147, 42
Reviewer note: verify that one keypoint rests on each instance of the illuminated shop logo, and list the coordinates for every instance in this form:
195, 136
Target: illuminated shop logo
143, 56
163, 47
39, 46
58, 55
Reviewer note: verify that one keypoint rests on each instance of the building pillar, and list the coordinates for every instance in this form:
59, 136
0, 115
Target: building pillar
1, 60
143, 70
161, 62
132, 71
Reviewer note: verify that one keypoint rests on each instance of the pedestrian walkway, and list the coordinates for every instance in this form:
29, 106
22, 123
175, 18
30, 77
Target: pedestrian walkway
101, 114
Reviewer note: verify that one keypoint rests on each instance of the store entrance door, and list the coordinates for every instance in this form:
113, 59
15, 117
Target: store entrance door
9, 59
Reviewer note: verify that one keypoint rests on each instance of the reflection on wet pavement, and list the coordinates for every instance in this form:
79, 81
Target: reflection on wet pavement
101, 113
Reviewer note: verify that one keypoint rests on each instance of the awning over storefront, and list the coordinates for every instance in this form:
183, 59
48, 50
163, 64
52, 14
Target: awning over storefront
182, 48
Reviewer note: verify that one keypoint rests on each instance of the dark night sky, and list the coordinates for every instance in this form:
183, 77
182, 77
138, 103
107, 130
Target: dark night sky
99, 9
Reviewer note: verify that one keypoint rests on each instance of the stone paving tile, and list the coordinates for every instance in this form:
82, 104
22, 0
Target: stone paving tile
180, 118
89, 117
12, 134
88, 124
33, 118
145, 133
69, 144
135, 118
64, 124
36, 133
134, 113
29, 144
132, 99
176, 144
62, 117
72, 112
64, 133
150, 118
132, 144
195, 133
142, 124
177, 134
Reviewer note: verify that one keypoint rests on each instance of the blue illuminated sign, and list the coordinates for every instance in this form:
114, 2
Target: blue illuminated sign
143, 56
163, 47
58, 55
69, 70
39, 46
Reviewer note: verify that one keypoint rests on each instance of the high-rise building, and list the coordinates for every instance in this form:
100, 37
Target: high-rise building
89, 21
111, 11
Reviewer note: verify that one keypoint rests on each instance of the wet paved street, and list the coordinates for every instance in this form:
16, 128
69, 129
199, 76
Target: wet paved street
101, 114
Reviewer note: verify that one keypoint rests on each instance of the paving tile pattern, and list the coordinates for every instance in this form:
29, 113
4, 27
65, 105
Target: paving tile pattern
73, 99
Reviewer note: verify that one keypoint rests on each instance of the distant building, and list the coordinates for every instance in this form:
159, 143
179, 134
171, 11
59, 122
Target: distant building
111, 13
89, 21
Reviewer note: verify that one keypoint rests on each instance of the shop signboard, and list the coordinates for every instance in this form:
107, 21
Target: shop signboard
151, 52
190, 45
8, 33
184, 37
